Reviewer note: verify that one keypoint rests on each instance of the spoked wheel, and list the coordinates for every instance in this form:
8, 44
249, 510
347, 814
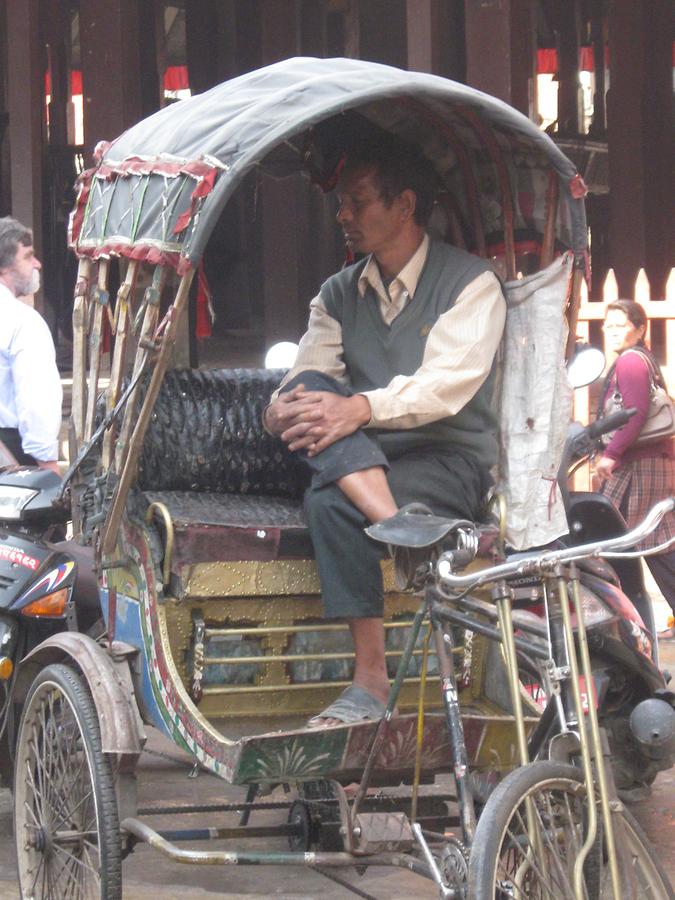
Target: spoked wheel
65, 810
530, 835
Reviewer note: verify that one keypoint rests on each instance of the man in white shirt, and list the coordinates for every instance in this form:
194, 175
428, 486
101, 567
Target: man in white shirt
389, 401
30, 386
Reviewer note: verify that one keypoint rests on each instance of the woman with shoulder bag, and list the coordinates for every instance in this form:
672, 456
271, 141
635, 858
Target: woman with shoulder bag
637, 469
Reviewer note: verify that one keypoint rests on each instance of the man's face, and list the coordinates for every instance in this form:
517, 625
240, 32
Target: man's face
22, 276
369, 225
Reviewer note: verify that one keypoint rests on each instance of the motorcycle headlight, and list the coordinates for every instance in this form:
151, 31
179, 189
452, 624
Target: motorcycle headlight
13, 500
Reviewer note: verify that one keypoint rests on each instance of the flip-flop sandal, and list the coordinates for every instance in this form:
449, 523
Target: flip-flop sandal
354, 704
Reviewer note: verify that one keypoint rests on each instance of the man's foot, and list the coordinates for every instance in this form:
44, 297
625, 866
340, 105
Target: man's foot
355, 704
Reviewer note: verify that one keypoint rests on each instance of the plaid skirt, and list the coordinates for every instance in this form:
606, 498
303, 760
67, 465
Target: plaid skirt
636, 486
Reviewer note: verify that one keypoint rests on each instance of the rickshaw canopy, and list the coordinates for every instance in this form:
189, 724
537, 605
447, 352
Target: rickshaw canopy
157, 191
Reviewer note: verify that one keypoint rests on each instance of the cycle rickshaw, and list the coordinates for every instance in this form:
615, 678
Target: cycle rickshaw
210, 596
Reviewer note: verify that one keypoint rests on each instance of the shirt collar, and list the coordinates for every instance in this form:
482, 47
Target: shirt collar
408, 276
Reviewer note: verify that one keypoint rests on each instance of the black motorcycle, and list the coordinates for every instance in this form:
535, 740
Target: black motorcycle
46, 583
631, 693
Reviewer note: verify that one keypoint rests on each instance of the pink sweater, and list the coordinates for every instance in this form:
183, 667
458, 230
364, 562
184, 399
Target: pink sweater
632, 376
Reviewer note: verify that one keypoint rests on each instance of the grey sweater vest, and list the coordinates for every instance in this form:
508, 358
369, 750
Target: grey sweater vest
375, 353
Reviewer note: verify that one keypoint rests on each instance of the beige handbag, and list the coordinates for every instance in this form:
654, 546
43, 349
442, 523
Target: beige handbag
660, 421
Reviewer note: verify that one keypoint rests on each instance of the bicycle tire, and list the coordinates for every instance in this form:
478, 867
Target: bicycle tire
506, 862
65, 809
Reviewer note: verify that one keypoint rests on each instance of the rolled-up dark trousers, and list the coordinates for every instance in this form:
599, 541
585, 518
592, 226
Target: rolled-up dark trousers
11, 438
450, 483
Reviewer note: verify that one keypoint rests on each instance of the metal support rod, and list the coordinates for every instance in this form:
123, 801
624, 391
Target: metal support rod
383, 724
420, 726
288, 657
502, 598
579, 891
483, 608
284, 829
455, 618
445, 892
148, 835
601, 775
453, 717
251, 793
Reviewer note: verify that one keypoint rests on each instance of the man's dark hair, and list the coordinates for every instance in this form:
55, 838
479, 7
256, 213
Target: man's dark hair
399, 167
12, 233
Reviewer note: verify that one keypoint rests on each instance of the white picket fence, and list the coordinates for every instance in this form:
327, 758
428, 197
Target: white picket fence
594, 310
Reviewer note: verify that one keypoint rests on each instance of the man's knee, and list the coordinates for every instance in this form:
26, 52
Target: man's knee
316, 381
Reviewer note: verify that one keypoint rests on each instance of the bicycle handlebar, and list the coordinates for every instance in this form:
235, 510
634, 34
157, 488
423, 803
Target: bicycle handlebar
545, 560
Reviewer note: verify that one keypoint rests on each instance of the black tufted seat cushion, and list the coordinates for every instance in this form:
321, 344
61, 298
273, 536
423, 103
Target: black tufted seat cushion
232, 490
206, 436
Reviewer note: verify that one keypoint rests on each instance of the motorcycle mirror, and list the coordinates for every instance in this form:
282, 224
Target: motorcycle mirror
587, 365
281, 355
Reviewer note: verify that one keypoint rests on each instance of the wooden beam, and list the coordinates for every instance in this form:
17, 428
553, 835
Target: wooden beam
435, 38
25, 106
501, 50
641, 143
112, 74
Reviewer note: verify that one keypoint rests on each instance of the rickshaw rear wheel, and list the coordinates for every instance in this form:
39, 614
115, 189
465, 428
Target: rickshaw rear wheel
508, 860
65, 810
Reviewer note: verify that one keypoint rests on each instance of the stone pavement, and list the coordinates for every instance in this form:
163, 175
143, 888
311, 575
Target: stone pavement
164, 778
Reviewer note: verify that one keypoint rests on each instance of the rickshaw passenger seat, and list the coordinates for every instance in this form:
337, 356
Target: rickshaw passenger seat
232, 490
206, 436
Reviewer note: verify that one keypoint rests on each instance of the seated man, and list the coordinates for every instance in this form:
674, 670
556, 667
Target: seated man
389, 399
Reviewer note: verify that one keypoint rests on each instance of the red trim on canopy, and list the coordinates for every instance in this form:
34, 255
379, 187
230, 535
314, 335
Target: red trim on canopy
140, 165
204, 187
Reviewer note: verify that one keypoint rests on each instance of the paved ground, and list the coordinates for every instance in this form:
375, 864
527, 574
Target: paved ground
164, 778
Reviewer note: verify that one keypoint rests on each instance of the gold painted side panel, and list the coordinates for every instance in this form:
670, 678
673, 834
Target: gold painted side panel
272, 623
277, 578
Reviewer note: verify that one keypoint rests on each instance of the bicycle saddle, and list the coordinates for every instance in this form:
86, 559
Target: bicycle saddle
415, 526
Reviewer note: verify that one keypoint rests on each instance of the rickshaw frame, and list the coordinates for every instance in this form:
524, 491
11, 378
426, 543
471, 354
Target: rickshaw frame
221, 137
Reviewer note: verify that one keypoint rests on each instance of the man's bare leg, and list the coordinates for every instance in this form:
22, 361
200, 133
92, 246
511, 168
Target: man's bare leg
370, 670
369, 491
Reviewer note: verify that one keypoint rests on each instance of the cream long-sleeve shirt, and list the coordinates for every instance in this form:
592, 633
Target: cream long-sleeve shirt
457, 358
